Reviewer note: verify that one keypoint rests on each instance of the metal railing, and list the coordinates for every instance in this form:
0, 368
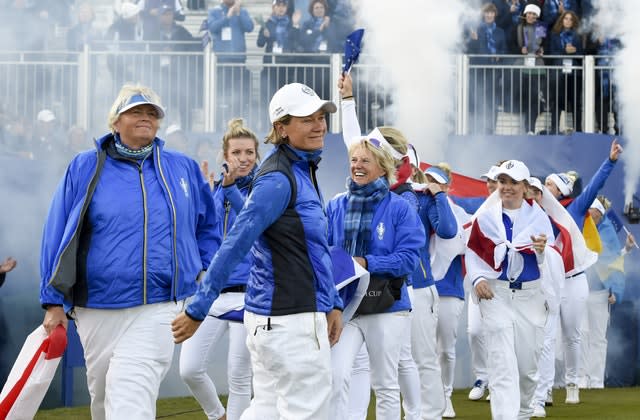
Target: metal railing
493, 94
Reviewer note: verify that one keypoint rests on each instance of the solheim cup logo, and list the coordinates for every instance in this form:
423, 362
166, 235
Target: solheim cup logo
509, 165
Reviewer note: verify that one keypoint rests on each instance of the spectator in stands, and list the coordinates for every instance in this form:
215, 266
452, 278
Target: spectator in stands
84, 31
24, 26
227, 24
130, 228
126, 33
508, 16
279, 37
342, 18
606, 106
318, 37
48, 142
487, 39
171, 69
17, 137
77, 141
565, 90
177, 139
552, 10
152, 9
530, 38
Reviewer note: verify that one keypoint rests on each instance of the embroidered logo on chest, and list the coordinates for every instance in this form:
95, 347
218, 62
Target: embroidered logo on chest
380, 230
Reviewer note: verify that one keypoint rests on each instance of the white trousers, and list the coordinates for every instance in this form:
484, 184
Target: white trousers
477, 342
573, 309
514, 324
195, 358
594, 343
382, 335
425, 353
127, 353
291, 361
447, 333
408, 379
546, 362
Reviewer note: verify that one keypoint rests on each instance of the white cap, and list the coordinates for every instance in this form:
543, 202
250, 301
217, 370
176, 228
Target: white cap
129, 10
297, 100
137, 100
172, 129
598, 205
563, 182
515, 169
46, 115
536, 183
532, 8
491, 173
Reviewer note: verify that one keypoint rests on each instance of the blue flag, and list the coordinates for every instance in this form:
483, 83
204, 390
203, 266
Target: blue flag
615, 219
352, 49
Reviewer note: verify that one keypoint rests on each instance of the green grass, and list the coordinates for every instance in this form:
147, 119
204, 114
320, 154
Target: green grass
601, 404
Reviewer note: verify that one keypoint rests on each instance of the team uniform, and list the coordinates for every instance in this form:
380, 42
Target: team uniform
514, 319
396, 235
290, 287
196, 352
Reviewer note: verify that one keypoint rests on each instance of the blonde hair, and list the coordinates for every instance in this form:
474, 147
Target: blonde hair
444, 167
126, 92
273, 137
236, 130
419, 177
382, 158
606, 203
396, 139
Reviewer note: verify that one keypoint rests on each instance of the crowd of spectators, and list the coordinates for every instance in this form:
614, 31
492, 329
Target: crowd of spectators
545, 33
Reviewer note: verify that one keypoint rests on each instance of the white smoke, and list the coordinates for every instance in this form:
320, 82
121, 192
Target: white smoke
415, 42
619, 18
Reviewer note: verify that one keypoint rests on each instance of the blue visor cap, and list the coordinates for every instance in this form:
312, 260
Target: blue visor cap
438, 174
137, 100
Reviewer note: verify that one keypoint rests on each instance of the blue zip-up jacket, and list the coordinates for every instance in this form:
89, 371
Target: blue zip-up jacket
229, 201
217, 21
121, 234
579, 207
272, 288
396, 237
410, 196
453, 282
436, 216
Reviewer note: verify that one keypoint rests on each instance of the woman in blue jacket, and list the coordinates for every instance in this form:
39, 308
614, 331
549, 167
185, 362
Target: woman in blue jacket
566, 82
240, 151
292, 308
130, 228
383, 233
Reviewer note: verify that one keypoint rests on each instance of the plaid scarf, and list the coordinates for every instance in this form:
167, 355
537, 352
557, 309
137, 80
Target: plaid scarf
362, 201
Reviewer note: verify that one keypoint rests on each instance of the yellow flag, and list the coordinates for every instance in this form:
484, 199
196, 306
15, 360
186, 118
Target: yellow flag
591, 235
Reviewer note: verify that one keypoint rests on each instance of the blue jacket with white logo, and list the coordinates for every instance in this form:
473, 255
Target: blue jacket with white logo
122, 233
396, 236
292, 262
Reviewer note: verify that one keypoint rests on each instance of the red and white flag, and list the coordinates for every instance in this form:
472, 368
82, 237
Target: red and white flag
32, 373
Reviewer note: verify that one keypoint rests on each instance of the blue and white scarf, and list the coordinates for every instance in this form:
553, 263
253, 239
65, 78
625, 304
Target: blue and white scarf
491, 42
125, 151
362, 201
